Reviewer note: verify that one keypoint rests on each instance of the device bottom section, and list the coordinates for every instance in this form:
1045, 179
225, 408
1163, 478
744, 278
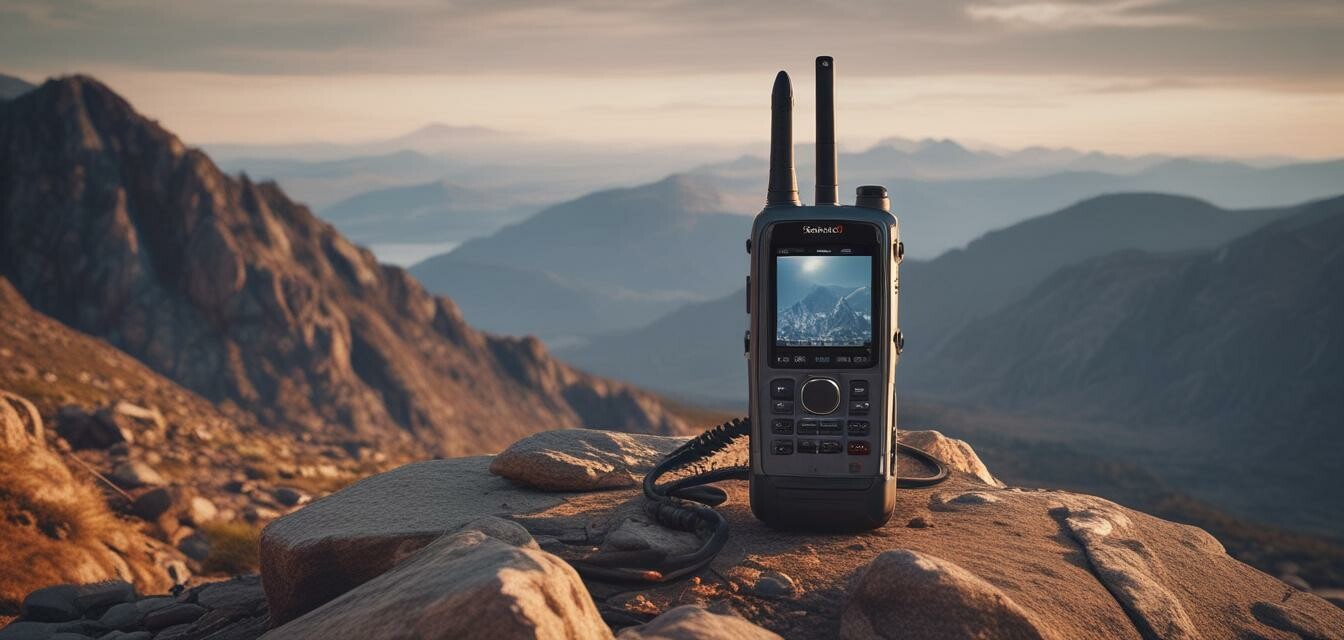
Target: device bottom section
822, 504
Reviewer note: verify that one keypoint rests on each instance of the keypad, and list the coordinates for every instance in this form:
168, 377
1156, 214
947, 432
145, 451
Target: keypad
846, 434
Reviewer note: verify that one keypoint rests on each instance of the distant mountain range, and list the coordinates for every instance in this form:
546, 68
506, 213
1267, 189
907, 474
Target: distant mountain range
827, 316
628, 254
12, 87
110, 224
1222, 367
946, 195
430, 210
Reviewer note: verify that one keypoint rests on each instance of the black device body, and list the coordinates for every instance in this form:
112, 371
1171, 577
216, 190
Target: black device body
823, 341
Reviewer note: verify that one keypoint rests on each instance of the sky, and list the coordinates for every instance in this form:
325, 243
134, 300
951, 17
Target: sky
797, 276
1206, 77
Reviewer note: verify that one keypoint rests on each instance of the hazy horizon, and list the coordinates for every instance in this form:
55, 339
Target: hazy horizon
1228, 79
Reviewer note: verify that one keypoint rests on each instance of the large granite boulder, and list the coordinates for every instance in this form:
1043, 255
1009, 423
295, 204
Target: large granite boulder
339, 542
464, 585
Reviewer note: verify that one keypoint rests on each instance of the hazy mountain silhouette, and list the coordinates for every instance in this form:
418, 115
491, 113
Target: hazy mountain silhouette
946, 195
941, 295
1199, 354
113, 226
12, 87
650, 248
434, 211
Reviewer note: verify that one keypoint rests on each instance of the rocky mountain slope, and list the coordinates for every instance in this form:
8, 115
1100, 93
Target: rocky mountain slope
111, 225
1204, 351
475, 548
128, 454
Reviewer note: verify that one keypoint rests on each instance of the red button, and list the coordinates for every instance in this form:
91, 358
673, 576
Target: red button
858, 448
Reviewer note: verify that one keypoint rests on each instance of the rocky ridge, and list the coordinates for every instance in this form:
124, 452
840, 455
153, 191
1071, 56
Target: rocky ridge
446, 548
112, 225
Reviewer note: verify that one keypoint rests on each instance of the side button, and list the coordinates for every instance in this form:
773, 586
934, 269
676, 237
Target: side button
748, 295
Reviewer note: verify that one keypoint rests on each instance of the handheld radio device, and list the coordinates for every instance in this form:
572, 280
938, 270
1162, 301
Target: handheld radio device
823, 339
821, 349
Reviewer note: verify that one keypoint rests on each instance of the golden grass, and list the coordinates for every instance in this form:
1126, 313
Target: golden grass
52, 527
235, 547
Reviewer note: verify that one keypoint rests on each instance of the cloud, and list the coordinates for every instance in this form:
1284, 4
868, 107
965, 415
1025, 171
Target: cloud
1076, 15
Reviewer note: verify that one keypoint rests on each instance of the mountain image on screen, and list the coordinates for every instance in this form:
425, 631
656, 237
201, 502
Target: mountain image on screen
828, 316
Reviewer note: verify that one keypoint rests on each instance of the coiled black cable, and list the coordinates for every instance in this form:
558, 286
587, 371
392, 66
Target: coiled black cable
687, 504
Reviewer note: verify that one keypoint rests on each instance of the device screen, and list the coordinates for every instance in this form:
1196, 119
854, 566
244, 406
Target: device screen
823, 305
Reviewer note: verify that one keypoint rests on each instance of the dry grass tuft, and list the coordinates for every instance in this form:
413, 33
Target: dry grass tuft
235, 548
53, 526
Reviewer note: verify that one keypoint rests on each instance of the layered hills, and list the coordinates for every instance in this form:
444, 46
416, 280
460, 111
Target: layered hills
631, 254
113, 226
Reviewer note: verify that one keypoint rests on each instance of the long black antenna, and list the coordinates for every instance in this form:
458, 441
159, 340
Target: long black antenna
783, 183
828, 189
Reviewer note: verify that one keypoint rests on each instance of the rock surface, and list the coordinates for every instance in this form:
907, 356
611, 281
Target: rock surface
581, 459
689, 622
1009, 556
464, 585
909, 594
333, 545
957, 454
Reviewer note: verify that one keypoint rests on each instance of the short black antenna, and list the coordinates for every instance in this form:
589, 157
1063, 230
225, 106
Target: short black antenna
783, 183
827, 186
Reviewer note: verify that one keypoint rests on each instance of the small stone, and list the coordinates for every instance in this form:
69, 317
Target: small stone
135, 474
175, 632
153, 604
103, 594
289, 496
27, 630
177, 614
85, 430
52, 604
244, 594
124, 616
195, 546
774, 584
151, 504
200, 510
919, 522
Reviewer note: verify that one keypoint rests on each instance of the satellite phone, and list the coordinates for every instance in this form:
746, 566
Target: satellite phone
823, 339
